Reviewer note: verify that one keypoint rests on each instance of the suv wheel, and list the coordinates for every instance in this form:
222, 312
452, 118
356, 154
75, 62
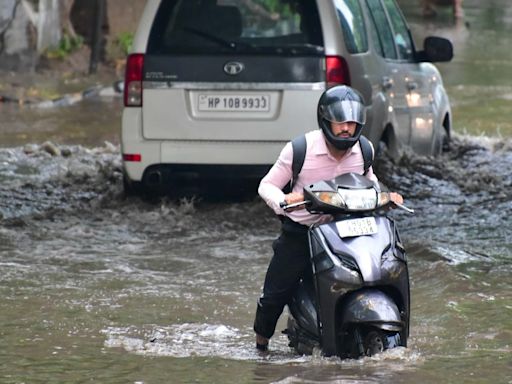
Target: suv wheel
131, 188
440, 143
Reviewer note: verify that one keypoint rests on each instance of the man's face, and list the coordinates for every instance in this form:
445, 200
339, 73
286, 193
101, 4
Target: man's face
343, 130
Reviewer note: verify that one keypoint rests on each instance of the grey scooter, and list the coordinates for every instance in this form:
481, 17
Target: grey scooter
355, 302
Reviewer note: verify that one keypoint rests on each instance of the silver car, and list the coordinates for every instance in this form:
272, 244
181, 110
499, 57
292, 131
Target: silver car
215, 88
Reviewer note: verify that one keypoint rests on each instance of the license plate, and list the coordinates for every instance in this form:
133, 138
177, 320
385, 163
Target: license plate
357, 227
234, 103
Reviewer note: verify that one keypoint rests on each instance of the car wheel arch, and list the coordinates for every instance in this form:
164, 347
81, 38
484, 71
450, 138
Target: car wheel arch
447, 125
389, 142
441, 139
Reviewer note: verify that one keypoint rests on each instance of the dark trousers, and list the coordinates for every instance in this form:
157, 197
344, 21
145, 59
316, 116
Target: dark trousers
288, 265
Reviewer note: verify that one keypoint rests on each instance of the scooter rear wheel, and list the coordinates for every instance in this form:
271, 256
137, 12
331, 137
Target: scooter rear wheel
369, 341
373, 343
377, 341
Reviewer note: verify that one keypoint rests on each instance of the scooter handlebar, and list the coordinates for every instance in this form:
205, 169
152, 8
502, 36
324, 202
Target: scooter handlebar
403, 207
286, 206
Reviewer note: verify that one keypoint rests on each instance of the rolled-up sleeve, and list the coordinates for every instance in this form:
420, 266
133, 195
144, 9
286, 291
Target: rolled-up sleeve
271, 186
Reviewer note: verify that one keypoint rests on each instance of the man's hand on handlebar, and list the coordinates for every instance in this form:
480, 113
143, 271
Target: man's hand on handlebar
398, 201
396, 198
294, 197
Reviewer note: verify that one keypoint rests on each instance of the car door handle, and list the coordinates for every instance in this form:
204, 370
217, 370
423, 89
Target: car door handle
387, 83
412, 85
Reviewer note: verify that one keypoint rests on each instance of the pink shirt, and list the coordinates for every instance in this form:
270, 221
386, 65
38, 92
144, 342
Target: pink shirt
319, 165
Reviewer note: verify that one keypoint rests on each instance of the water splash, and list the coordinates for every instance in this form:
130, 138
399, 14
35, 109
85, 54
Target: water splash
227, 342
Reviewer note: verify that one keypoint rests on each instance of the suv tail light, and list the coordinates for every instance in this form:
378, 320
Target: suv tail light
136, 157
133, 80
336, 71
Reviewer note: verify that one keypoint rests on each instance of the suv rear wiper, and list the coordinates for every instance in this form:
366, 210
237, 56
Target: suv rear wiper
216, 39
304, 48
294, 49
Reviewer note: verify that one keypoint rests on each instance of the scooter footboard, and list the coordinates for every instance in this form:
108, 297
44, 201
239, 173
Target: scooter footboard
371, 306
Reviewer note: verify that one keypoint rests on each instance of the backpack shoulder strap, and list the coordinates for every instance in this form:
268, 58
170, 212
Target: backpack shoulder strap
299, 146
367, 151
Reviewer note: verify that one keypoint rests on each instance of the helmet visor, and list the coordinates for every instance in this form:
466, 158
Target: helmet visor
343, 111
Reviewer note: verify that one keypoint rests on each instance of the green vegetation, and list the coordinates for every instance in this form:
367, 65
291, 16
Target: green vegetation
67, 45
125, 41
276, 6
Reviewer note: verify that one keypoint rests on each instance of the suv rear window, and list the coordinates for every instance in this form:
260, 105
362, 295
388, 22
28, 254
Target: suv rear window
242, 26
352, 25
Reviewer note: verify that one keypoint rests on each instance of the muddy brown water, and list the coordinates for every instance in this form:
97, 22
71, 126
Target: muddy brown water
97, 287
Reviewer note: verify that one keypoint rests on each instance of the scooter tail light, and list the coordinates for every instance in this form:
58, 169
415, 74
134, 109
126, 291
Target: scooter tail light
133, 80
336, 71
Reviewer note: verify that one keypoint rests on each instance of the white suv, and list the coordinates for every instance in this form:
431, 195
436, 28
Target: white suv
215, 88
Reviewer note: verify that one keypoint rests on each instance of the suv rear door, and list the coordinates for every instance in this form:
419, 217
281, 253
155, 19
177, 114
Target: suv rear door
232, 70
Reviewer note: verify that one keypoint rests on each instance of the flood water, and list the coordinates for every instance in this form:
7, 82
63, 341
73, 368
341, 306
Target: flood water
97, 287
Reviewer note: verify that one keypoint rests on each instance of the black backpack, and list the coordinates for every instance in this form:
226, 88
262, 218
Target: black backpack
299, 146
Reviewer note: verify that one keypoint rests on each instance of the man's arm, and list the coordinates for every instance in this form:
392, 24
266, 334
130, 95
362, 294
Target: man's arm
271, 186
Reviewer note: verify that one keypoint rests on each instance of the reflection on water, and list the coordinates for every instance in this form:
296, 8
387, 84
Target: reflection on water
89, 123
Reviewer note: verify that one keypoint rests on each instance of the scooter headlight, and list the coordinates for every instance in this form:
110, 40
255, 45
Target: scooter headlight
354, 199
359, 199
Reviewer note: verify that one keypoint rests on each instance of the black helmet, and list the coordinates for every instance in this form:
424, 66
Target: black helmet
340, 104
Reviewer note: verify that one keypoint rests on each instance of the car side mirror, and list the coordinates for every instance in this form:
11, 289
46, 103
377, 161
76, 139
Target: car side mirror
436, 49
